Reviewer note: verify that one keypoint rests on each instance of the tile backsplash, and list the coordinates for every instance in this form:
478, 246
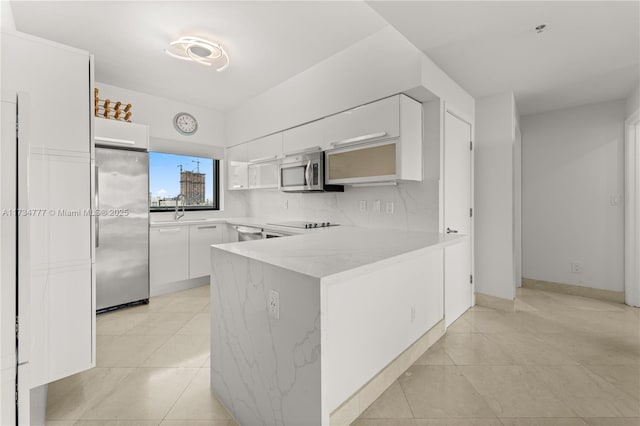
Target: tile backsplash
407, 206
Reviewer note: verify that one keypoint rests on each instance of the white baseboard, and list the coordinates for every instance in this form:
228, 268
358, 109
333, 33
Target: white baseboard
575, 290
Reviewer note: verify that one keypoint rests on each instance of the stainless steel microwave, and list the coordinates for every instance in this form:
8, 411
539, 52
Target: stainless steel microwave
304, 172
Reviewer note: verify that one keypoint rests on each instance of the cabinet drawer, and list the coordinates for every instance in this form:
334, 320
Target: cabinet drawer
374, 121
121, 133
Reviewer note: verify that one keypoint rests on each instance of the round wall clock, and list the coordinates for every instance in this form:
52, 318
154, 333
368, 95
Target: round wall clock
185, 123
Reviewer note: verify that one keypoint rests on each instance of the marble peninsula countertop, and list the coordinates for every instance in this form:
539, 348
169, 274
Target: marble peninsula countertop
336, 250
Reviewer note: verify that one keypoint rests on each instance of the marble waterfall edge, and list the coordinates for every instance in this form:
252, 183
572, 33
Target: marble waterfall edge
257, 383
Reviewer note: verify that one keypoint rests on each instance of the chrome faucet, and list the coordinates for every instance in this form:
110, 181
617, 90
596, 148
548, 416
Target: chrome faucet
178, 213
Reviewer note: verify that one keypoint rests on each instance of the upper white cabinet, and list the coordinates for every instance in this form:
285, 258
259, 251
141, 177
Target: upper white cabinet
264, 154
254, 164
237, 157
308, 137
121, 134
54, 176
378, 142
268, 148
201, 237
374, 121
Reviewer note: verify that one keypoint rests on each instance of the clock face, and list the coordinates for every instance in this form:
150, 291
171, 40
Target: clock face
185, 123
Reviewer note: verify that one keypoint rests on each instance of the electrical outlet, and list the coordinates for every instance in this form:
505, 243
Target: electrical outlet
413, 314
274, 304
286, 204
363, 205
615, 200
576, 267
376, 206
389, 207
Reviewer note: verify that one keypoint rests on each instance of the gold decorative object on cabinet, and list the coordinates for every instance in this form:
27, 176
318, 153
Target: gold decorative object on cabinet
103, 108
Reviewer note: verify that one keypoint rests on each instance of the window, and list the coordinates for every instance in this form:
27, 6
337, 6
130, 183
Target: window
196, 178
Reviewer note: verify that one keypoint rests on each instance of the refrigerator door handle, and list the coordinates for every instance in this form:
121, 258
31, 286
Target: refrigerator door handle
97, 203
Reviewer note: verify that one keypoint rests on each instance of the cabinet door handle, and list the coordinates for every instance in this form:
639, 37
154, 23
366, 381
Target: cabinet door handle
452, 231
97, 205
162, 230
302, 151
207, 227
114, 140
359, 139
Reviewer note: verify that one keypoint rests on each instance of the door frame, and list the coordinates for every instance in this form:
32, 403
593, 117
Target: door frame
446, 109
632, 209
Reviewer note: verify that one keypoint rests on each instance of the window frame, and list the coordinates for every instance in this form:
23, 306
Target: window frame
216, 187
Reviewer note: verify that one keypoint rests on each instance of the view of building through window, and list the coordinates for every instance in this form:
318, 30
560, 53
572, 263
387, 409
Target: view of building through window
170, 175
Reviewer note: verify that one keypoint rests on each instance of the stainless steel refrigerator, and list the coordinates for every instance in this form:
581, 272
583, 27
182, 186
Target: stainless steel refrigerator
122, 228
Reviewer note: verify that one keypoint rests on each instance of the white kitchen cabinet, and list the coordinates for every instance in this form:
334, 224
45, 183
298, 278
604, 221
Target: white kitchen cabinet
263, 175
201, 237
310, 136
169, 256
54, 178
373, 121
268, 148
264, 154
121, 134
237, 159
378, 142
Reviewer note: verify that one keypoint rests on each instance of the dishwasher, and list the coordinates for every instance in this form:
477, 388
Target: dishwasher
248, 233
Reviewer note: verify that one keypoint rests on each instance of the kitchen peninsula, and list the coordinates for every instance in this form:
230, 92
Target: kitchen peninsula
309, 329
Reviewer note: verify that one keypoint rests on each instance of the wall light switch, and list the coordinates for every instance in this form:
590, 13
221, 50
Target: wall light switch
376, 206
363, 205
389, 206
576, 267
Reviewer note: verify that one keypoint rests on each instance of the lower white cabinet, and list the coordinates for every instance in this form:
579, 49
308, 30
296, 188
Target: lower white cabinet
181, 252
201, 237
169, 255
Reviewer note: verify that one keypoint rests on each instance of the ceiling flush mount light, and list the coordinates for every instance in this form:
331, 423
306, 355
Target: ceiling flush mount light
198, 50
540, 28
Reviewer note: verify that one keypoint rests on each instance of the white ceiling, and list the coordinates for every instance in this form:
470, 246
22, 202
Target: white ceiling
589, 52
268, 42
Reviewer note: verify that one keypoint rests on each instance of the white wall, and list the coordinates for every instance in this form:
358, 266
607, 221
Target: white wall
633, 101
380, 65
573, 162
495, 196
383, 64
158, 114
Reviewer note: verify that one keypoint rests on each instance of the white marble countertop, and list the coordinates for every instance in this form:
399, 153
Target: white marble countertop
326, 252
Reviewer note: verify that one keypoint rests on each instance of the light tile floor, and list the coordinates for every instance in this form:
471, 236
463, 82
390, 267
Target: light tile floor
558, 360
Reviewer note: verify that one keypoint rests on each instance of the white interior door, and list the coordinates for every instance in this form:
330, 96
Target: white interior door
457, 216
517, 209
